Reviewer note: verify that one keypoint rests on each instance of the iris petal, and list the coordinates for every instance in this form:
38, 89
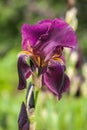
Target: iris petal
60, 34
55, 79
23, 121
66, 84
32, 33
24, 71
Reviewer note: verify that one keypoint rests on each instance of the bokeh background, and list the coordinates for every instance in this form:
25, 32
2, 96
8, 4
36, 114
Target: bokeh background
70, 113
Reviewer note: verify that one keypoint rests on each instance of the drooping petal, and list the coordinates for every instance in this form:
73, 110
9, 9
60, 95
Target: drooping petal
66, 84
60, 34
24, 71
23, 121
55, 79
32, 33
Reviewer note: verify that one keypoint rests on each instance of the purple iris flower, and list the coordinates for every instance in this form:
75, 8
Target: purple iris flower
43, 44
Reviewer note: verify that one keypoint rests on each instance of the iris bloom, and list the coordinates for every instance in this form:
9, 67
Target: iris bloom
43, 44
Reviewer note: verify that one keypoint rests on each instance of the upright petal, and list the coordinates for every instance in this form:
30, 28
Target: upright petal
32, 33
24, 71
55, 79
60, 34
23, 121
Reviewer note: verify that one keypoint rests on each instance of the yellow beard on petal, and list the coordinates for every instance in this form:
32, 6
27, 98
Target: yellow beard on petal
57, 58
39, 61
34, 57
25, 53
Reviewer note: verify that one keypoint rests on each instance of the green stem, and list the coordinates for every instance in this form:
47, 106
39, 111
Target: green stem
37, 81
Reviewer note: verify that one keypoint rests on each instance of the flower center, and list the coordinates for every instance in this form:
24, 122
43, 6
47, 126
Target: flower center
39, 61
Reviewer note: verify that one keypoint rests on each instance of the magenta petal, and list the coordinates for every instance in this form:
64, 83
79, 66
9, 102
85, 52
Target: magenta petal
66, 84
32, 33
23, 121
60, 34
24, 71
55, 79
48, 21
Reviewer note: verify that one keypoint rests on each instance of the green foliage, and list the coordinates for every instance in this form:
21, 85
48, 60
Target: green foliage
8, 72
66, 114
9, 109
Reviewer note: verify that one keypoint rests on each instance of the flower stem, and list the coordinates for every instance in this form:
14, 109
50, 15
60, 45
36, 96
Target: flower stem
31, 100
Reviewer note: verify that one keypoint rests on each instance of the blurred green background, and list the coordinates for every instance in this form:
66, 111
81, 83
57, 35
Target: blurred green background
70, 113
